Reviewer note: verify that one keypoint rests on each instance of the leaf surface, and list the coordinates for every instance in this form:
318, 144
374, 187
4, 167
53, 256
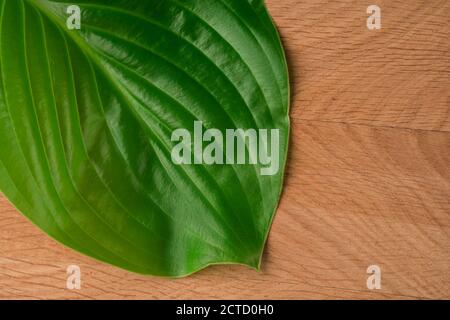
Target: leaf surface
87, 117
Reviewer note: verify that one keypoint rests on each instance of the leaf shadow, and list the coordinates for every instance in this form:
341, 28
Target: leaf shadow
293, 84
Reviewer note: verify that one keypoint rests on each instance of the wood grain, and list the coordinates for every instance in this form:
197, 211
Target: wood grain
368, 180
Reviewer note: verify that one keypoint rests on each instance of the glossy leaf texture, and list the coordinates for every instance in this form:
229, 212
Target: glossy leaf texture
86, 118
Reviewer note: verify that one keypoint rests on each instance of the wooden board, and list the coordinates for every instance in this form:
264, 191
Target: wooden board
368, 179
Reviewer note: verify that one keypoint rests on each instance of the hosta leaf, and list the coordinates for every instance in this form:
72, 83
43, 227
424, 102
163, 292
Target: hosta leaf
87, 117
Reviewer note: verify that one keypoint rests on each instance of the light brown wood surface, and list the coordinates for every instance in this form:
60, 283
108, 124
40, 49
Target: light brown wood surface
368, 179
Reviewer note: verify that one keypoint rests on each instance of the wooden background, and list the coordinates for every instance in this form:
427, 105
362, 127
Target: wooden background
368, 178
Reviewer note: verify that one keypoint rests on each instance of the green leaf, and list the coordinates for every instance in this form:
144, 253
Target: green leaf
87, 117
